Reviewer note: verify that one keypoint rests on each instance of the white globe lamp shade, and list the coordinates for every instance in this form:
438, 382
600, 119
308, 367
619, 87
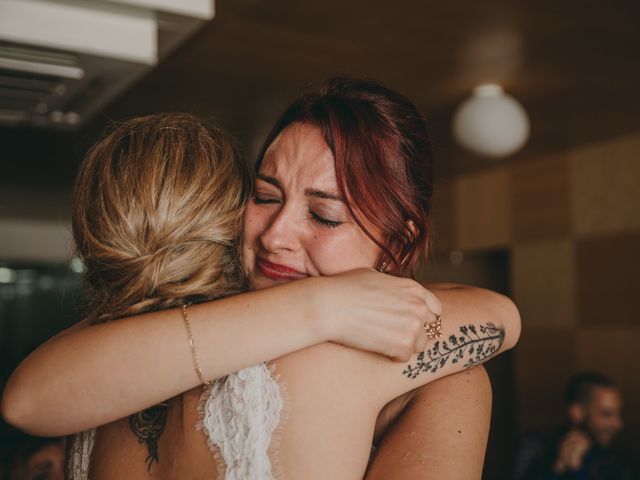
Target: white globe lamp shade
491, 123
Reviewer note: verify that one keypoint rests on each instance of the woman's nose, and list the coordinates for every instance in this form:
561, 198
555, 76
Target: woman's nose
281, 232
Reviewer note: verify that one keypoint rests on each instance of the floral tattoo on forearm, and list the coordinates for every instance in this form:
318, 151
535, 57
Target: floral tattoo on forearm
473, 346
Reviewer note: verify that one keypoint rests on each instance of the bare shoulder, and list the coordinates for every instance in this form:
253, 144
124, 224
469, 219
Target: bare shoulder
329, 414
333, 395
329, 370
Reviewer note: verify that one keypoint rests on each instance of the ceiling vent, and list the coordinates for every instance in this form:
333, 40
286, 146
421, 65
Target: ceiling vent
62, 61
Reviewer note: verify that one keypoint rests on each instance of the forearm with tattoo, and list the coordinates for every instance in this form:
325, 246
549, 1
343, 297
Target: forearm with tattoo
474, 345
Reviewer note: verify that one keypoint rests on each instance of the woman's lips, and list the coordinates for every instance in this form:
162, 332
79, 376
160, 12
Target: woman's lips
276, 271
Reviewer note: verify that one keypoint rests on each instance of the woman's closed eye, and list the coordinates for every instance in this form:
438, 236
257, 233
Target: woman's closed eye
259, 199
325, 222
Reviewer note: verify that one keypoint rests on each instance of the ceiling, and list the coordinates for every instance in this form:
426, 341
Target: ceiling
573, 65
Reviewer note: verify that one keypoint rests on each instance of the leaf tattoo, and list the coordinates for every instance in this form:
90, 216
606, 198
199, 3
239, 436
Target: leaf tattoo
472, 347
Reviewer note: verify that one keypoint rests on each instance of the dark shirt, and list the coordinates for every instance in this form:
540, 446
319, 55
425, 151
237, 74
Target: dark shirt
538, 453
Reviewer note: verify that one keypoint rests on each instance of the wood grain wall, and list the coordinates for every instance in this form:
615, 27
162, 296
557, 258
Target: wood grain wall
571, 224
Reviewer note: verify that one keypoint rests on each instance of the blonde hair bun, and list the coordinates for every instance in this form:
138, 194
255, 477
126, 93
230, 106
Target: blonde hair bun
157, 215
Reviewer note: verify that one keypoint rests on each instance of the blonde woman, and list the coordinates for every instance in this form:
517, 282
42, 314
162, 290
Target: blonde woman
305, 222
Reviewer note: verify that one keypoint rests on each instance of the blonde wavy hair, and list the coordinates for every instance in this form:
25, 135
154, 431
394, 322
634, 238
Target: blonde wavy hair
157, 215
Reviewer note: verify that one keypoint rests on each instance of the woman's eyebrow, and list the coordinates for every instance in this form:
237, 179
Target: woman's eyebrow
309, 191
323, 194
271, 180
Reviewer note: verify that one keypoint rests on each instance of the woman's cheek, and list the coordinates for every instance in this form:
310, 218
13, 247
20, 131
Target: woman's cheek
337, 252
250, 225
248, 237
362, 251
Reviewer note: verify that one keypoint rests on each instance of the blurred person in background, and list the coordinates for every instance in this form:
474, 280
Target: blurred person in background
583, 448
36, 458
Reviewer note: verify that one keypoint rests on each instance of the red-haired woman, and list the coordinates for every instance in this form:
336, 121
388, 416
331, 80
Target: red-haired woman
344, 182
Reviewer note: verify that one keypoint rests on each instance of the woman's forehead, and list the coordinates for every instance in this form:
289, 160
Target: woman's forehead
300, 153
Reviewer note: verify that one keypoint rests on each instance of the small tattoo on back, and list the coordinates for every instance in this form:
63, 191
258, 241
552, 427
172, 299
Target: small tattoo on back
473, 346
148, 426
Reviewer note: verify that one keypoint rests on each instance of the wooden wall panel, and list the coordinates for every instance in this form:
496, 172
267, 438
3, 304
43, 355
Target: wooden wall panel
572, 225
540, 199
606, 187
482, 211
545, 358
543, 283
608, 279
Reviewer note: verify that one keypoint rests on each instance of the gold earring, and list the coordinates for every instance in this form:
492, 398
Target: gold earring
381, 268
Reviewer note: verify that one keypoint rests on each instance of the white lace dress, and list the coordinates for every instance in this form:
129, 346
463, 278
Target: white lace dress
239, 414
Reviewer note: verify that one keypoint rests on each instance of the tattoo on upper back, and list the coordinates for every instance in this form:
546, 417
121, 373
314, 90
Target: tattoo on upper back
472, 347
148, 425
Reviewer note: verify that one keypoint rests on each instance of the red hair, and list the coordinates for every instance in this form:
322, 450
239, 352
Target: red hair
383, 161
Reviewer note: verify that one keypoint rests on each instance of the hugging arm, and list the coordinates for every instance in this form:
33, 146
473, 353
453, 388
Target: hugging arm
477, 325
441, 433
443, 430
89, 376
92, 375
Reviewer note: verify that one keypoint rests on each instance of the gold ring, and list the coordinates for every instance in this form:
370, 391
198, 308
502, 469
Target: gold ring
434, 329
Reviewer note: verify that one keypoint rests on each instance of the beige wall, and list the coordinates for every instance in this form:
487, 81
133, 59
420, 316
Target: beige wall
571, 223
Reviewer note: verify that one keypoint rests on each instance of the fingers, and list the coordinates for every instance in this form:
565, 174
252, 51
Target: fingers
423, 311
415, 340
421, 342
383, 313
573, 449
433, 302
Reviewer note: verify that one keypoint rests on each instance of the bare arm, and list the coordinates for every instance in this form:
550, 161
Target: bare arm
89, 376
335, 393
477, 325
442, 433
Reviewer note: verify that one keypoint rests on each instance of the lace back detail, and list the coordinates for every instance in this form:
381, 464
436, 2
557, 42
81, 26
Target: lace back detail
239, 413
79, 461
239, 416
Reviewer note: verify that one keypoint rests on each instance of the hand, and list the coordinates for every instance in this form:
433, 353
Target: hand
372, 311
571, 451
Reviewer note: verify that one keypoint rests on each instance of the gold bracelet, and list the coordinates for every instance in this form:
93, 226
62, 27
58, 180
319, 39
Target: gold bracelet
192, 344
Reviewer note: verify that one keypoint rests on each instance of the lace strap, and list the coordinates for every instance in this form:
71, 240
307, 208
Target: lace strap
79, 461
241, 413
